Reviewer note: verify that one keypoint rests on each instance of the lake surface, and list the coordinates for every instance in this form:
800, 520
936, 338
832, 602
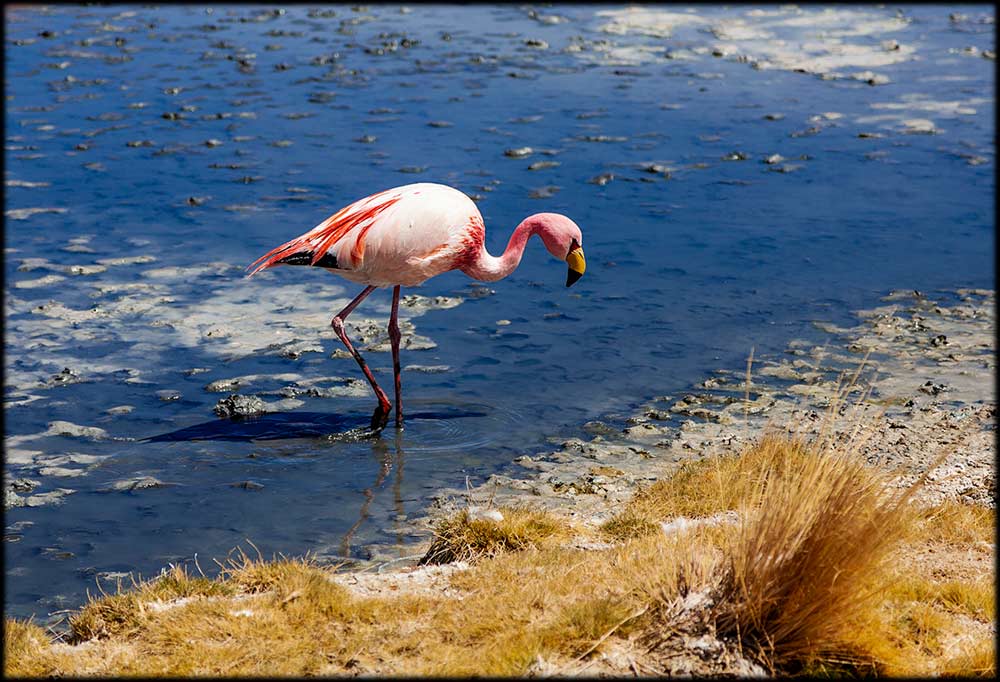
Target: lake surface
152, 153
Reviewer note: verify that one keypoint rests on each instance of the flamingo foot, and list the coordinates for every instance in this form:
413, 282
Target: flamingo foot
381, 417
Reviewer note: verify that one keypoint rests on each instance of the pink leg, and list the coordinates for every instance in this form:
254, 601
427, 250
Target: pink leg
394, 336
381, 415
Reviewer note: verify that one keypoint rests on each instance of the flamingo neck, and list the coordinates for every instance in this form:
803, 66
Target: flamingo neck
487, 268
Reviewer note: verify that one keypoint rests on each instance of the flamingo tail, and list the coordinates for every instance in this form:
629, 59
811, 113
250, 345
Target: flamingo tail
296, 252
313, 248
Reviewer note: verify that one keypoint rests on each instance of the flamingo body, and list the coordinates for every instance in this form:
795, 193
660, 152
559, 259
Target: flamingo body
402, 236
406, 235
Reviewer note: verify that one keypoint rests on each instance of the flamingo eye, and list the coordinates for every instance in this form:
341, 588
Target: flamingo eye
573, 246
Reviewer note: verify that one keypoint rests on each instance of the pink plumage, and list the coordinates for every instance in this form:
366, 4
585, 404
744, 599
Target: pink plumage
406, 235
400, 236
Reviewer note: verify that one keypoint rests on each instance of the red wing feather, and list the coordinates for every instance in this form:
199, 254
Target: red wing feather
317, 241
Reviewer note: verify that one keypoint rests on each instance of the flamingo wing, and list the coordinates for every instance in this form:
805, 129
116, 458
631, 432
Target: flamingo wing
313, 247
399, 236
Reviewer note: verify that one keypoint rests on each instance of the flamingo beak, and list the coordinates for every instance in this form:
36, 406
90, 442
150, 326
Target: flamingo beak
577, 266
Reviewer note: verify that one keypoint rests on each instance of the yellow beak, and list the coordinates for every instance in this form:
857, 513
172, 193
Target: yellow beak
577, 266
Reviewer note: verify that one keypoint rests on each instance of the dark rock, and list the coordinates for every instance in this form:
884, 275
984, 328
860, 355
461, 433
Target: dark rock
931, 388
22, 485
66, 376
236, 406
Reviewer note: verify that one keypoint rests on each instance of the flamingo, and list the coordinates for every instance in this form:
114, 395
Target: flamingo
406, 235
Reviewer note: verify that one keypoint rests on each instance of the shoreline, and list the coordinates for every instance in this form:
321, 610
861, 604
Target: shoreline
926, 386
929, 367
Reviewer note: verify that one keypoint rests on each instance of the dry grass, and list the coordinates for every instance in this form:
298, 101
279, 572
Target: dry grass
463, 538
818, 577
551, 602
976, 660
974, 599
25, 648
705, 487
252, 576
124, 613
811, 557
956, 523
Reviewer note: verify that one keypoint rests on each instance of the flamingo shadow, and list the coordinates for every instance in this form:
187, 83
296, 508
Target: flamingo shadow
289, 425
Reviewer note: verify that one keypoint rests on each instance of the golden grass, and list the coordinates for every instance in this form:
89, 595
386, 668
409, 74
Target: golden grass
811, 556
463, 538
124, 613
812, 580
975, 660
971, 598
25, 646
817, 577
708, 486
553, 602
957, 523
251, 576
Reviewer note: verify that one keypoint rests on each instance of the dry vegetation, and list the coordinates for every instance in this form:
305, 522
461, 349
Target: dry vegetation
466, 538
825, 570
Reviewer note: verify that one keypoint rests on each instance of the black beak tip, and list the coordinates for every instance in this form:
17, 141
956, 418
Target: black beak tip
572, 277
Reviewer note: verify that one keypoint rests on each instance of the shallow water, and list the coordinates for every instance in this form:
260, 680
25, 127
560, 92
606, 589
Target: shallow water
171, 146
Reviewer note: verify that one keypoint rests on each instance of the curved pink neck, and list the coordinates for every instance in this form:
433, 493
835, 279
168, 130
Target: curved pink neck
487, 268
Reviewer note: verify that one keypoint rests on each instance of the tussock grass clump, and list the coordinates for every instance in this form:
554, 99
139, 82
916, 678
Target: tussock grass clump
24, 648
124, 612
252, 576
811, 557
463, 538
708, 486
117, 614
286, 630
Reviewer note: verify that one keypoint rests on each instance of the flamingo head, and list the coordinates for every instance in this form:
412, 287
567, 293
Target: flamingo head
564, 240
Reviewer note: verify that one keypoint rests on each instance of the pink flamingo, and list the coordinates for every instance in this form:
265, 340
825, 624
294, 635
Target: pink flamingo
406, 235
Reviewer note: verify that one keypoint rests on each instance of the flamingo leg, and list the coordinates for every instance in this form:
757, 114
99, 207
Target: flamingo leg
381, 416
394, 337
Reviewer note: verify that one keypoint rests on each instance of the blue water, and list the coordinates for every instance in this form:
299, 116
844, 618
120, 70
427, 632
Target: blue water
685, 275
